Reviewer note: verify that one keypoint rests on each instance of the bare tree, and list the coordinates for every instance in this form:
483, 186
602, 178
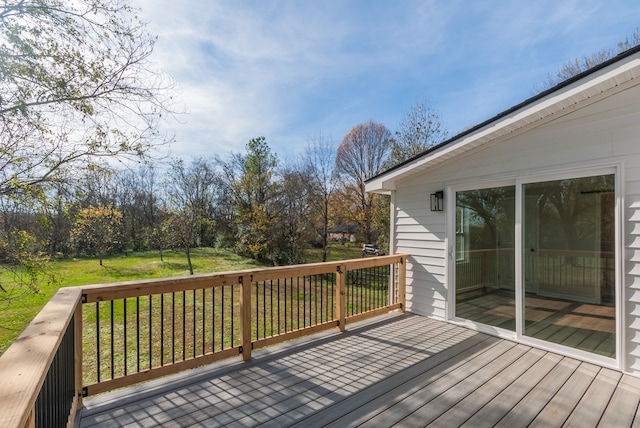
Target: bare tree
190, 191
319, 163
420, 129
578, 65
363, 153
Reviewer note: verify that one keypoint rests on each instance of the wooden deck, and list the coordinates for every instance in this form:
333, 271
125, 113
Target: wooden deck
399, 370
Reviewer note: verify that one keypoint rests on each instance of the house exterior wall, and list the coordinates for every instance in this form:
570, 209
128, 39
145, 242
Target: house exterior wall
603, 134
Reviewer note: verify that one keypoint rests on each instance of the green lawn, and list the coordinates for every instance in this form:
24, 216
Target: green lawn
15, 315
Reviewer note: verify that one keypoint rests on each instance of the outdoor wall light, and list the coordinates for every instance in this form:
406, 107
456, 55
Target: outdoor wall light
437, 201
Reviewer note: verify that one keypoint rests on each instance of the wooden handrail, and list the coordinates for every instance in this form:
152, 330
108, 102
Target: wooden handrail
119, 290
24, 366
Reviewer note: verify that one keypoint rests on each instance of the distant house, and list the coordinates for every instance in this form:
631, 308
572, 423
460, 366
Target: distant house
527, 226
343, 233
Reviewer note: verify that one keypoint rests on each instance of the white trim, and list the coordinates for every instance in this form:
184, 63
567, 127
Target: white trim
518, 246
621, 295
392, 222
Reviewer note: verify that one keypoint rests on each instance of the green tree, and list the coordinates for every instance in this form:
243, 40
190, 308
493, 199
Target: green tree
25, 263
97, 230
76, 84
251, 179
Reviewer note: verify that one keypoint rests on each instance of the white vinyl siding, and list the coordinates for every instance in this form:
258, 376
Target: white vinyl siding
603, 134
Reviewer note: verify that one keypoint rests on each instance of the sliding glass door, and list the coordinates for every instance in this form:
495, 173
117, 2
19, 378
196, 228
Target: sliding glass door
567, 264
485, 249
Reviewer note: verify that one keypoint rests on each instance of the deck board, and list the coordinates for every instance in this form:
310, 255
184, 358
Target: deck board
402, 370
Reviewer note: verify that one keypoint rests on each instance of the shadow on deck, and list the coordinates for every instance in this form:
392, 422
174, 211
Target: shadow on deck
403, 370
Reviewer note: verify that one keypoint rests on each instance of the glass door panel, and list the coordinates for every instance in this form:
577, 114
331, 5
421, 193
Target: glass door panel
485, 256
569, 262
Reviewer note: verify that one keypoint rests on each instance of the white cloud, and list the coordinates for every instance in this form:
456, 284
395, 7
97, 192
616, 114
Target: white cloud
288, 69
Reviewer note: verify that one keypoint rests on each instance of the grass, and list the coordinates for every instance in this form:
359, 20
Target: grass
17, 314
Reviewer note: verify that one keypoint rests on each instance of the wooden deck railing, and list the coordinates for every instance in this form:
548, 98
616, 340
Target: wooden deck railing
96, 338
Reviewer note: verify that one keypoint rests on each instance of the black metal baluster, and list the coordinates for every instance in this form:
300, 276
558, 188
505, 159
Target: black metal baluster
150, 330
204, 320
194, 323
162, 330
213, 319
257, 310
222, 318
138, 333
317, 295
232, 320
184, 325
112, 344
173, 327
285, 305
321, 297
279, 321
98, 338
125, 335
298, 299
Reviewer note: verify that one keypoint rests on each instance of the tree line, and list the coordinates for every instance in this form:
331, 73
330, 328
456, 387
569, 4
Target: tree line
252, 202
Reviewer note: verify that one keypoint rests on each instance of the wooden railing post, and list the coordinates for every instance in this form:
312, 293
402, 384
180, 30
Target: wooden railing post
245, 317
402, 284
341, 296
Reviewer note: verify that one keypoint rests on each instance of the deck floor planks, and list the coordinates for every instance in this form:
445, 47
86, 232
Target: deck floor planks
404, 369
370, 401
565, 401
503, 402
589, 410
625, 398
470, 383
476, 400
537, 398
424, 392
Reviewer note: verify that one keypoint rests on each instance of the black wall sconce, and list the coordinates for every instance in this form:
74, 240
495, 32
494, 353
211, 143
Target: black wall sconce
437, 201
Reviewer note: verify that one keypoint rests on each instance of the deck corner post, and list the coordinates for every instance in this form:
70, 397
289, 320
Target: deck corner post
245, 318
341, 300
402, 284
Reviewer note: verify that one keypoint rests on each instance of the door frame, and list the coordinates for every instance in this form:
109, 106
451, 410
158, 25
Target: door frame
450, 195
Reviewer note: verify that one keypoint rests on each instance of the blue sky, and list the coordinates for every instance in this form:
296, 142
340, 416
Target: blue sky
289, 70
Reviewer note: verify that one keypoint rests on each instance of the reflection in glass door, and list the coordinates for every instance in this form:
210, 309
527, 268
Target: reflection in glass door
485, 249
569, 262
567, 270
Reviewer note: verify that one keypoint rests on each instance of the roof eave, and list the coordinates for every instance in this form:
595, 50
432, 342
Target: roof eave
595, 84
